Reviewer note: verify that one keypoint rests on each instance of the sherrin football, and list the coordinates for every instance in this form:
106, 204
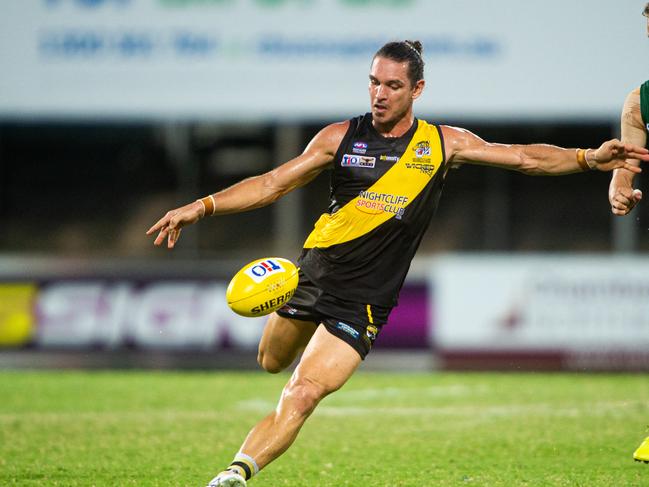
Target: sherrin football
262, 286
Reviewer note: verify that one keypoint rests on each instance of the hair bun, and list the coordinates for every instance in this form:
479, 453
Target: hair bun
416, 45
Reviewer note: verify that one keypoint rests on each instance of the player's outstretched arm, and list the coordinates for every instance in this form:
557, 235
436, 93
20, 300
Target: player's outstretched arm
540, 159
256, 191
621, 194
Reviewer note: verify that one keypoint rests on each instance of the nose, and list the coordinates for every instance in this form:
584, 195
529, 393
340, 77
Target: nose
380, 92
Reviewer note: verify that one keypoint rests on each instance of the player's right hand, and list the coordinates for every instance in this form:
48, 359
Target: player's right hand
623, 199
170, 225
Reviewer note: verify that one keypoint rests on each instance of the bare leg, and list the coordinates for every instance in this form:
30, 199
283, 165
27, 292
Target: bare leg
325, 366
282, 341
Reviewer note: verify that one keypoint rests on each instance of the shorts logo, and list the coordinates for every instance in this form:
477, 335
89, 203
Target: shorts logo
347, 329
263, 270
359, 148
350, 160
288, 309
371, 331
422, 149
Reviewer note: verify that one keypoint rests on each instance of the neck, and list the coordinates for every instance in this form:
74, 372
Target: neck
395, 128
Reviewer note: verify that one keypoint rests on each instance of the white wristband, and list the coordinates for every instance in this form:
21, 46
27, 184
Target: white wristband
591, 164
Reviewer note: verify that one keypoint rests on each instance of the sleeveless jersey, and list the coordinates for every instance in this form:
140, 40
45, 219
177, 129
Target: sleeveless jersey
644, 105
384, 192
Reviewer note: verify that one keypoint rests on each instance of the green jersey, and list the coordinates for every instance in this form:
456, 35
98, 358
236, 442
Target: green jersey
644, 105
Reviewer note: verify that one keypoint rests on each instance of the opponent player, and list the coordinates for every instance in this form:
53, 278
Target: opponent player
622, 196
387, 170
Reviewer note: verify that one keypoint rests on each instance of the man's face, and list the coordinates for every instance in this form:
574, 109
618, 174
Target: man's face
391, 93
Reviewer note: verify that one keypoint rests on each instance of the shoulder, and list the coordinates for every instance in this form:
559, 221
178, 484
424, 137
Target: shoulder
335, 130
458, 137
454, 132
328, 138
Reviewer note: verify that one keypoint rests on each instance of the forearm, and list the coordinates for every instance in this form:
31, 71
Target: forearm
543, 159
623, 177
621, 181
249, 194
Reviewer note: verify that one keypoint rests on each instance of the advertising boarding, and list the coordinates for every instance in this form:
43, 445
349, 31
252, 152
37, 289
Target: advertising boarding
309, 59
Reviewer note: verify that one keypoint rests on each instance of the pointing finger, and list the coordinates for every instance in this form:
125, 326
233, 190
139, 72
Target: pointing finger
635, 148
632, 167
158, 225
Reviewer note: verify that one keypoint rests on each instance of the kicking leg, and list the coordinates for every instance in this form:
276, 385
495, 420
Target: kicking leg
325, 366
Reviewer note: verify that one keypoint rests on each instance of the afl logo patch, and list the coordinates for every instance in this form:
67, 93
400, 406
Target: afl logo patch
359, 148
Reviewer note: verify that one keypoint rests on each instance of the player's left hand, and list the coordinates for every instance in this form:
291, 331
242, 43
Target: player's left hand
614, 154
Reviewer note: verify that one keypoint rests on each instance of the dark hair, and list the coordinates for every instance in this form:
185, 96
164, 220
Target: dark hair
645, 12
405, 51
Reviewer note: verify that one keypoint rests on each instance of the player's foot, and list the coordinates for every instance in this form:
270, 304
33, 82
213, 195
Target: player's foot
228, 478
642, 453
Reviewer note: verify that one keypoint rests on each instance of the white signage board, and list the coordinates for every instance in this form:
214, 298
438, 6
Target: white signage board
309, 59
573, 304
172, 315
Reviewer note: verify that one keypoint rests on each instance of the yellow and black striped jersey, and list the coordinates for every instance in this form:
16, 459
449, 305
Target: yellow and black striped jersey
384, 192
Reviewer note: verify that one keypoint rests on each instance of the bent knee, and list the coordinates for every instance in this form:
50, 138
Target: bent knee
271, 363
304, 395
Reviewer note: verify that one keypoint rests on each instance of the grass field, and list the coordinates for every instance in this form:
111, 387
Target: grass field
439, 429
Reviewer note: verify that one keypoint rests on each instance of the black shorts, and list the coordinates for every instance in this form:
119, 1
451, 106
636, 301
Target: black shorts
357, 324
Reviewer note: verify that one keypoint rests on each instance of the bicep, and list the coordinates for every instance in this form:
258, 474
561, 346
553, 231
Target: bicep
317, 156
299, 171
463, 147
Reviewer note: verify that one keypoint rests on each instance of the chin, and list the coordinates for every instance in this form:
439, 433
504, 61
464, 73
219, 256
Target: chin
381, 117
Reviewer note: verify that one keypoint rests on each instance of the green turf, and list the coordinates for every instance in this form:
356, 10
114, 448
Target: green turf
178, 429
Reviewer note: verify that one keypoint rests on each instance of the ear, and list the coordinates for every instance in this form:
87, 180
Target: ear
419, 88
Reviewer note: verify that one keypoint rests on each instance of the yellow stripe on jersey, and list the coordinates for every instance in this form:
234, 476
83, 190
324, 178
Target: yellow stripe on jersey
388, 197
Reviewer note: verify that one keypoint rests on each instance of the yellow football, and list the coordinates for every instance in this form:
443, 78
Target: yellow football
263, 286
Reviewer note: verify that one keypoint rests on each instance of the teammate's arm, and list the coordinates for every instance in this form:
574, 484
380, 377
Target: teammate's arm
621, 194
257, 191
463, 146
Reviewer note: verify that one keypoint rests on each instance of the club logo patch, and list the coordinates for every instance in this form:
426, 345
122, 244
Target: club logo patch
371, 331
350, 160
422, 160
422, 149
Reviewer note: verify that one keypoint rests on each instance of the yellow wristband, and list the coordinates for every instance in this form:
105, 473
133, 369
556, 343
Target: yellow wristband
581, 160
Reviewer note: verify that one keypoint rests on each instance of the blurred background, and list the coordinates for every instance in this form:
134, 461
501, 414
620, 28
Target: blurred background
114, 111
